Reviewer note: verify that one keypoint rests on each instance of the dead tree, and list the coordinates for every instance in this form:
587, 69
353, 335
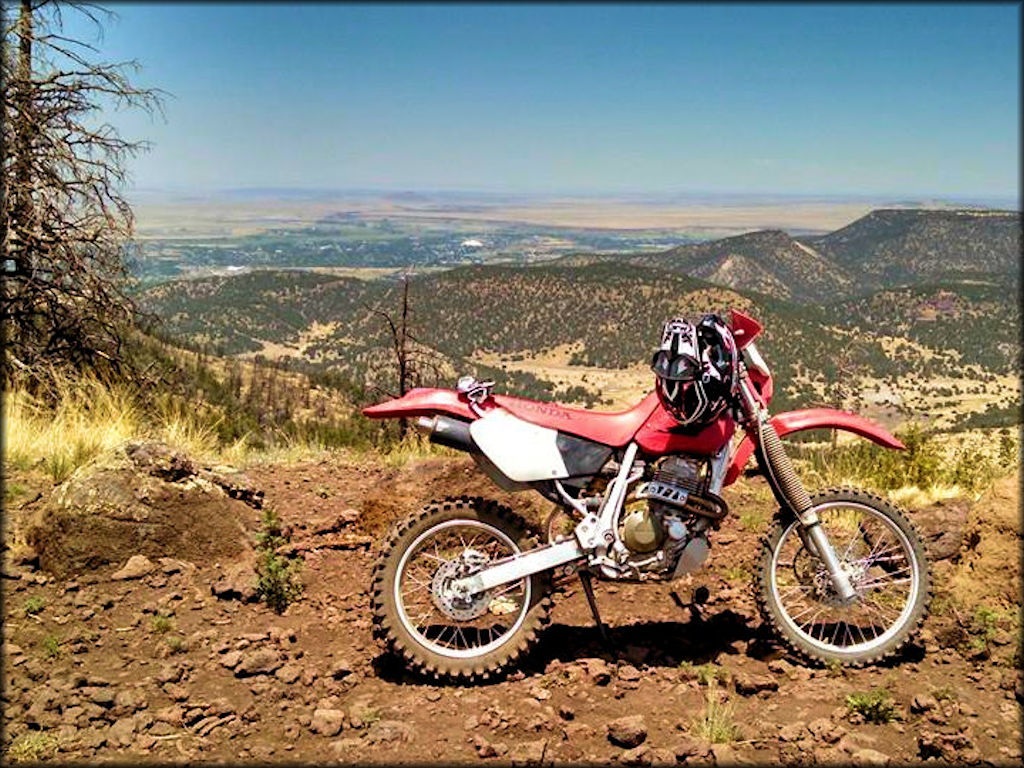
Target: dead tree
65, 226
411, 357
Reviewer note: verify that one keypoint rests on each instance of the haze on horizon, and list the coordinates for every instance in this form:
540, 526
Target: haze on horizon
881, 101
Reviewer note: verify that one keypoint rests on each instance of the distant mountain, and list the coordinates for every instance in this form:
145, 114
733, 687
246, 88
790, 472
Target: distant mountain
912, 246
767, 261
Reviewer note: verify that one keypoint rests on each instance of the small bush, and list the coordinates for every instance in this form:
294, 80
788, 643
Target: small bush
161, 624
31, 747
176, 643
717, 724
34, 605
944, 693
51, 646
875, 706
279, 582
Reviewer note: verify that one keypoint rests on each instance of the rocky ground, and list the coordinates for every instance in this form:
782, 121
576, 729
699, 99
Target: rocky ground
162, 654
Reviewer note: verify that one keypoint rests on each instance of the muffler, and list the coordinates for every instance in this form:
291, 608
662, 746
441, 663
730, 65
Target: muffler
447, 431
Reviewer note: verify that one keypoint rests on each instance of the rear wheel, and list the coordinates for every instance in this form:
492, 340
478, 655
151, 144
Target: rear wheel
436, 631
882, 554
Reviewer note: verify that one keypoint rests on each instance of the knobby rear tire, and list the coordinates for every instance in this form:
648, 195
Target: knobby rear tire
771, 610
391, 632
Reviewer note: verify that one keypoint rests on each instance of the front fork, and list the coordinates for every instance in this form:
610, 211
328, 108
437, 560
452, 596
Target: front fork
790, 492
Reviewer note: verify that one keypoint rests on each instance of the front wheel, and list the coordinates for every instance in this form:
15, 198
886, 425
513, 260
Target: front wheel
434, 629
885, 560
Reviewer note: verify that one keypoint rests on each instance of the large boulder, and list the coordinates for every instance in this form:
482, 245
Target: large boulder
147, 500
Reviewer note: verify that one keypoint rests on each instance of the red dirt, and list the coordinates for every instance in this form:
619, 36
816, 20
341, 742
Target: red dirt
116, 691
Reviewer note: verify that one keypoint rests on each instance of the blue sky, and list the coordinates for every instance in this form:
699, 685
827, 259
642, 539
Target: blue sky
804, 99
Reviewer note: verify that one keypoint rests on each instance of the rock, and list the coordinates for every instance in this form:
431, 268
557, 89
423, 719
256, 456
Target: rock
484, 749
923, 702
825, 730
942, 528
528, 752
629, 731
661, 756
748, 684
327, 722
340, 669
688, 747
263, 661
566, 712
868, 757
636, 756
597, 670
792, 732
289, 673
954, 747
238, 582
390, 732
231, 659
102, 696
122, 733
136, 567
172, 715
628, 672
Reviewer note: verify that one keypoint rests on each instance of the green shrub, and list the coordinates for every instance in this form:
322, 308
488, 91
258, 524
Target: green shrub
161, 623
51, 646
875, 706
34, 605
279, 582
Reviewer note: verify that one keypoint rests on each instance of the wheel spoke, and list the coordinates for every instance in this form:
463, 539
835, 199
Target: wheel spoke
881, 564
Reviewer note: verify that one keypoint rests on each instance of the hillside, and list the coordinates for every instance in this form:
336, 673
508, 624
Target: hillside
910, 245
769, 262
595, 317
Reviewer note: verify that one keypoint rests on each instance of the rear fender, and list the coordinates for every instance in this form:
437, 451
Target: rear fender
814, 418
422, 401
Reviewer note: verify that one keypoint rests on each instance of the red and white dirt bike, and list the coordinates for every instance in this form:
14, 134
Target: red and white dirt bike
461, 589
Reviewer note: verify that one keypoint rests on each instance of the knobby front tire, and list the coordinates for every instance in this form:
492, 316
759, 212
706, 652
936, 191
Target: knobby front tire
883, 553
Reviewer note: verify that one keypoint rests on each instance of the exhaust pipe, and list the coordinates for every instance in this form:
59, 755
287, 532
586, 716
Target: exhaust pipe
446, 431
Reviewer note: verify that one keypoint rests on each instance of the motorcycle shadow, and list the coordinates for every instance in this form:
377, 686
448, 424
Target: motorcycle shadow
648, 643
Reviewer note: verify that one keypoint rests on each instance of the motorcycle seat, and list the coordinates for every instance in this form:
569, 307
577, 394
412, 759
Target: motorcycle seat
614, 429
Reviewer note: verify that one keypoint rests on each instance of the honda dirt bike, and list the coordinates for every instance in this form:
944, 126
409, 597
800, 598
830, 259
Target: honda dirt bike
461, 590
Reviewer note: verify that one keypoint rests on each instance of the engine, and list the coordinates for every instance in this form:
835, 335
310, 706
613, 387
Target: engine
665, 523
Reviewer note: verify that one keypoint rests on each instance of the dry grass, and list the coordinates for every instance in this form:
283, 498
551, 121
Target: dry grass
87, 419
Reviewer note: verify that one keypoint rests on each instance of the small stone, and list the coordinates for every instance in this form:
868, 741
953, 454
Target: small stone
432, 695
136, 567
825, 730
629, 731
923, 702
792, 732
231, 659
566, 712
869, 757
340, 669
597, 670
528, 752
264, 661
289, 673
484, 748
628, 672
636, 756
749, 684
389, 732
327, 722
122, 732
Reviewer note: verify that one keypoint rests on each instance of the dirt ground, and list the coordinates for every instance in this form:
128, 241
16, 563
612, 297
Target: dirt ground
92, 670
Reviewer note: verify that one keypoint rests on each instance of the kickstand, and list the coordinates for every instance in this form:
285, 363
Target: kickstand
588, 590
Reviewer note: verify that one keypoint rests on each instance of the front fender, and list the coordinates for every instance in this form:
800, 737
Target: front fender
814, 418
